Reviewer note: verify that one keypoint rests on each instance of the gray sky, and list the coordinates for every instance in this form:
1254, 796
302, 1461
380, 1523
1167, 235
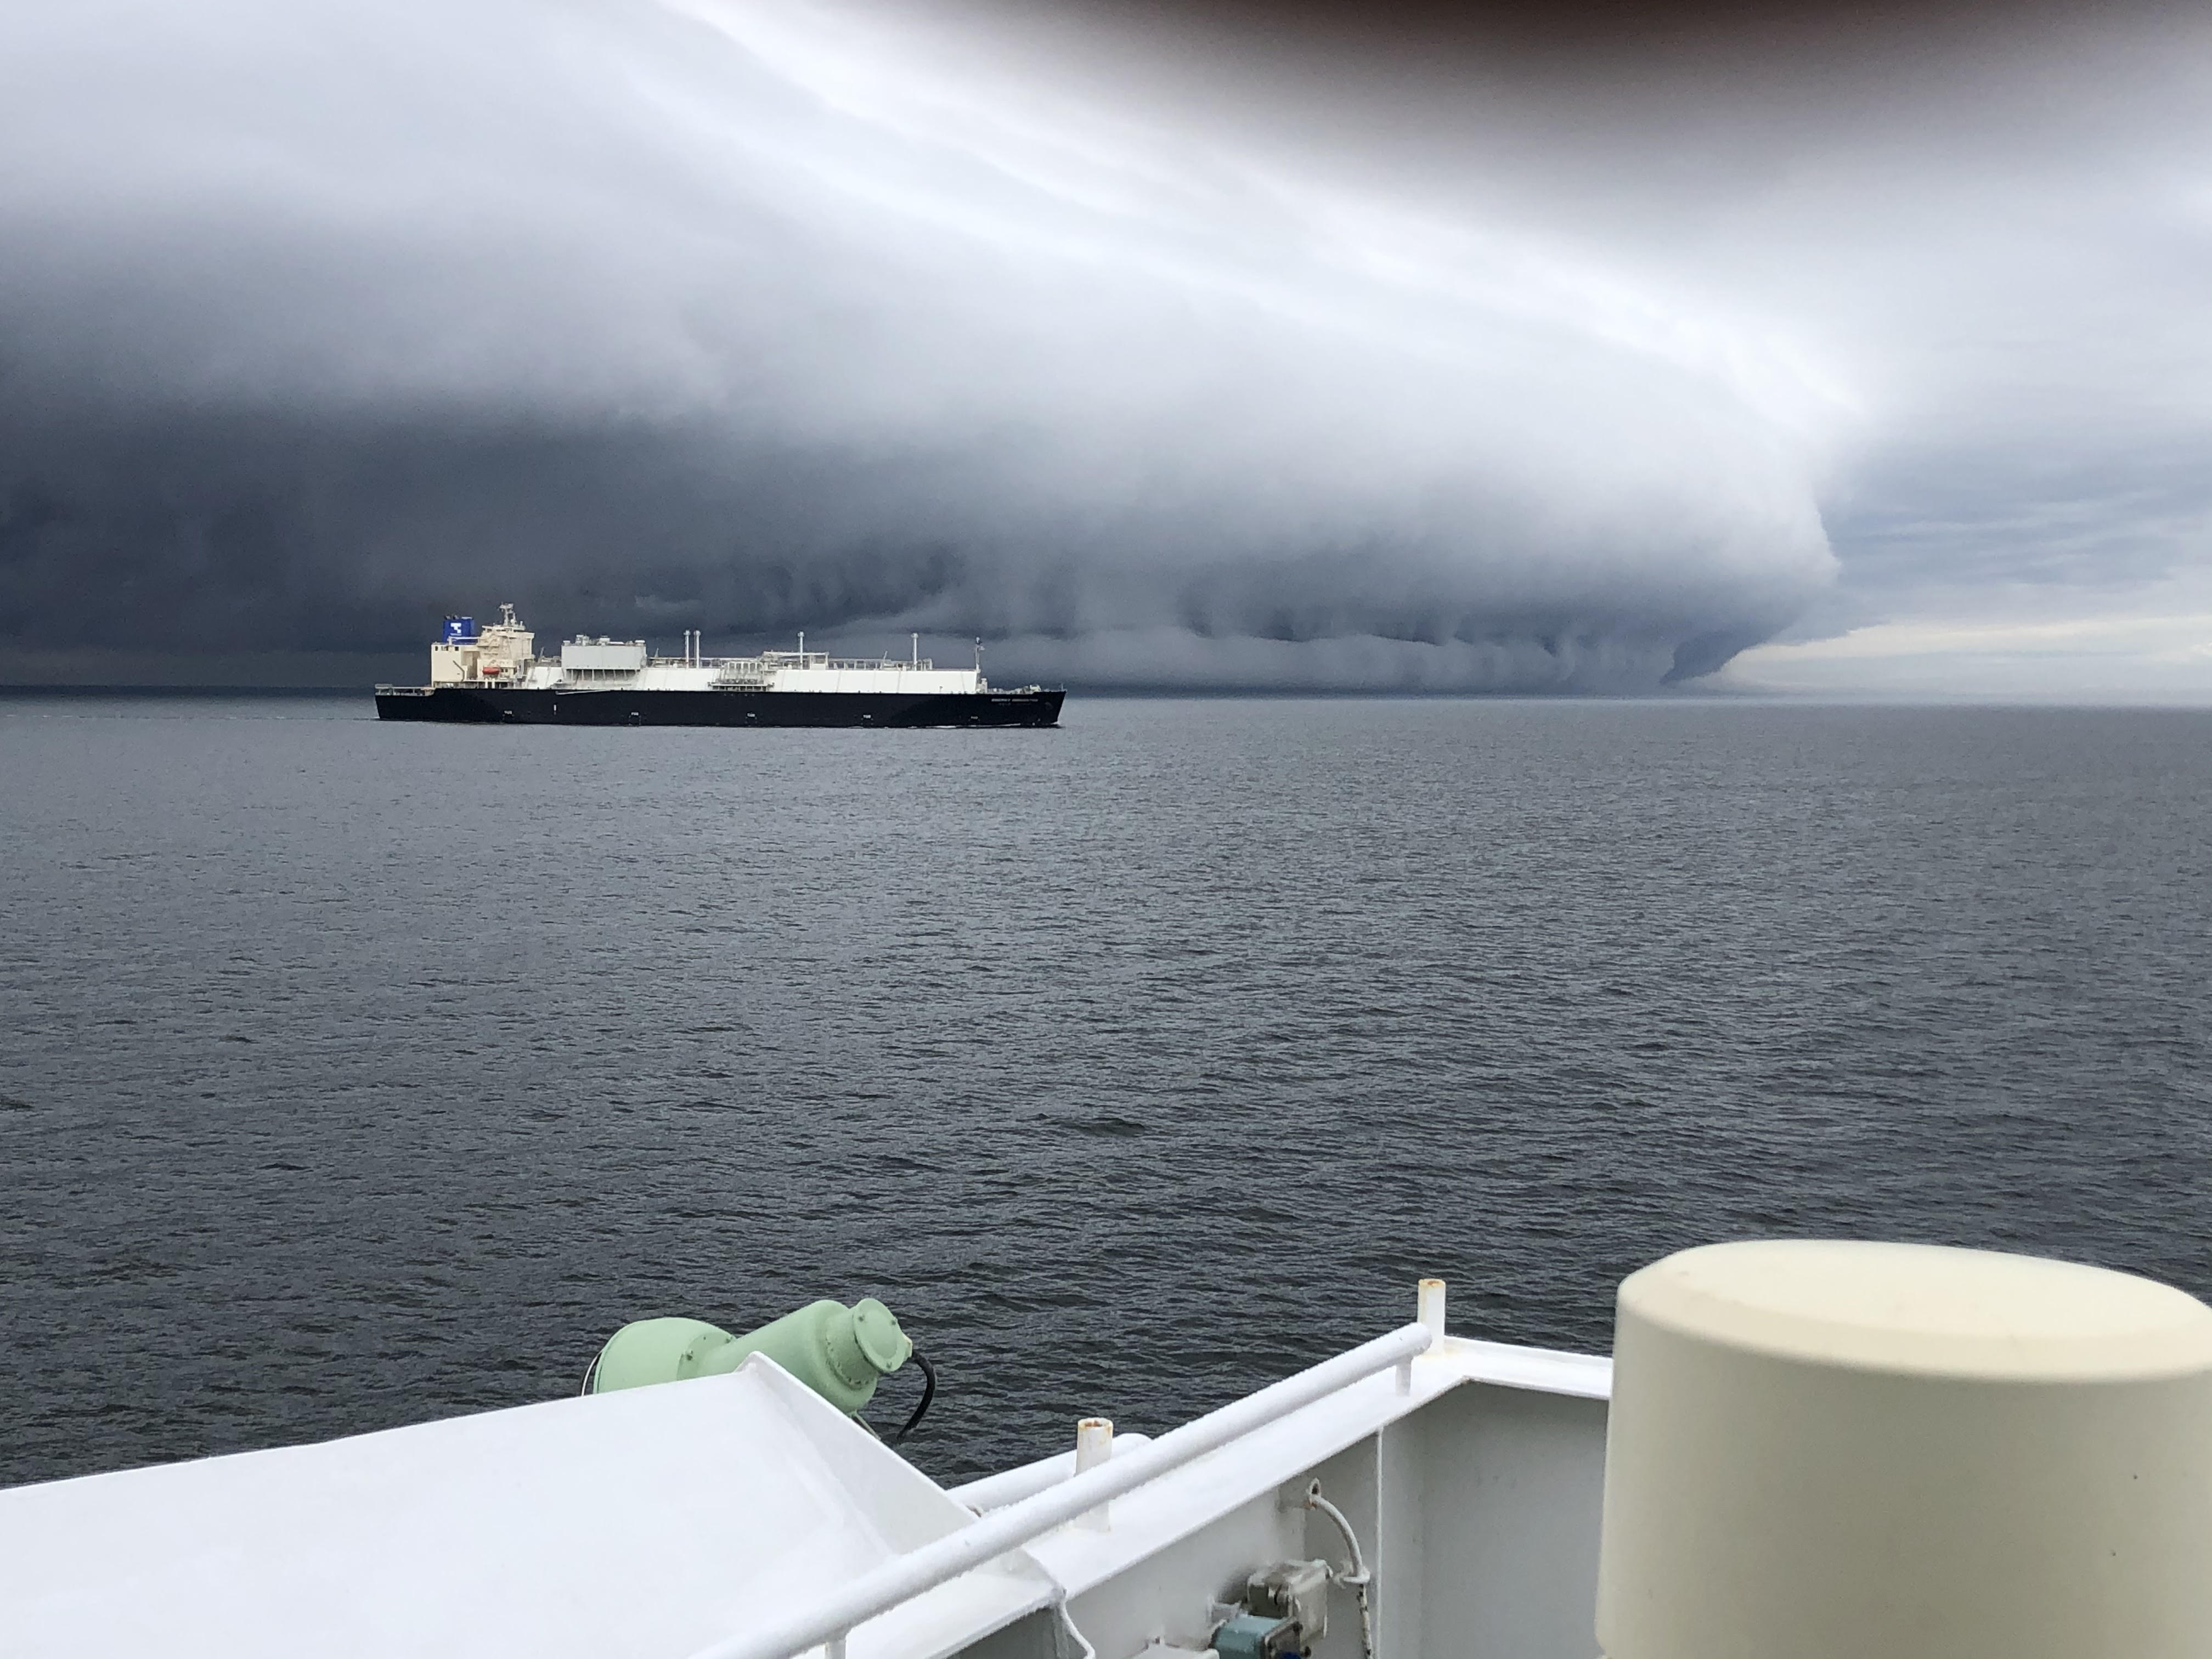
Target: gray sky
1163, 345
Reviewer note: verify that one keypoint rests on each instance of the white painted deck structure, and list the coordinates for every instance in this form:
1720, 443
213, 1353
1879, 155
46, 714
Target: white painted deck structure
722, 1514
1823, 1449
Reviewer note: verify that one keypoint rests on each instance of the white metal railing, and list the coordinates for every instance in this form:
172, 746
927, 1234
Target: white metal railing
773, 660
995, 1492
905, 1577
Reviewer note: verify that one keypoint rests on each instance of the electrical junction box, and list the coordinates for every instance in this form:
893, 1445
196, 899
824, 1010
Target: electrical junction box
1297, 1590
1254, 1636
1286, 1612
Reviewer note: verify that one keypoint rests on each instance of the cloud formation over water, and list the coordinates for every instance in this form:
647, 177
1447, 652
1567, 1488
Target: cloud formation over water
1153, 365
323, 320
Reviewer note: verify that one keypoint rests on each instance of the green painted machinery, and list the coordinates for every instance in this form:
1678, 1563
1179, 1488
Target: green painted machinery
839, 1352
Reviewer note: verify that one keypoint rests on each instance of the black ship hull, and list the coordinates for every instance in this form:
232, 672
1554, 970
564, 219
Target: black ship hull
490, 705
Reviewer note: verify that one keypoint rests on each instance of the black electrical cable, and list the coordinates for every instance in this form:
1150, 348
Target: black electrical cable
928, 1394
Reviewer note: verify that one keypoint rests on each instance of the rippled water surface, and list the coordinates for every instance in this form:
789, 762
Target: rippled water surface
352, 1074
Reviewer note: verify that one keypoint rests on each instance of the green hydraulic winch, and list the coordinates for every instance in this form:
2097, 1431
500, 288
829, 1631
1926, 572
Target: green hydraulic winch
839, 1352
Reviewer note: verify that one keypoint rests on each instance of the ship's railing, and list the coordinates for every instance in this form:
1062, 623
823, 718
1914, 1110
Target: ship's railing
759, 673
905, 1577
775, 661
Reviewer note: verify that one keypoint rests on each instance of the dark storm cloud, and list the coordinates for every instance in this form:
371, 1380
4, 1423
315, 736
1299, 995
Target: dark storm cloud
1984, 229
1577, 38
316, 322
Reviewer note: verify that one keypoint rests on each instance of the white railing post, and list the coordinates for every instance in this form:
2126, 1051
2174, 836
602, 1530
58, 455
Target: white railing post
1429, 1307
1094, 1444
1430, 1303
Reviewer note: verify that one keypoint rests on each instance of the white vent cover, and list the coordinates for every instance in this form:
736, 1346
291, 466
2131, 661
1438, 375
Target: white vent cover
1830, 1450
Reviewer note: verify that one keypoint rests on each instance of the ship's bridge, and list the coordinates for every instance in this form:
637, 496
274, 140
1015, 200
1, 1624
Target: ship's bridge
464, 654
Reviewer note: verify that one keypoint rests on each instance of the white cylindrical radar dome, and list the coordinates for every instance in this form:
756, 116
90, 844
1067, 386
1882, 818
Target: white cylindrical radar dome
1830, 1451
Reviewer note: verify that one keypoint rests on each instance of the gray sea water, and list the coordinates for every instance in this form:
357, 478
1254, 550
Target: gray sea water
353, 1074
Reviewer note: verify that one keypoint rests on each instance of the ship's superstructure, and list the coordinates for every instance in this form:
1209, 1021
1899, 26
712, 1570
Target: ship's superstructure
464, 654
493, 674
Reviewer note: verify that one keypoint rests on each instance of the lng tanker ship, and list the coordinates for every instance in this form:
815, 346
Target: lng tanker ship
493, 674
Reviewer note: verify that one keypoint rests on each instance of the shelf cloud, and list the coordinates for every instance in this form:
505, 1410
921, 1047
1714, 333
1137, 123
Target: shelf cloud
317, 321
